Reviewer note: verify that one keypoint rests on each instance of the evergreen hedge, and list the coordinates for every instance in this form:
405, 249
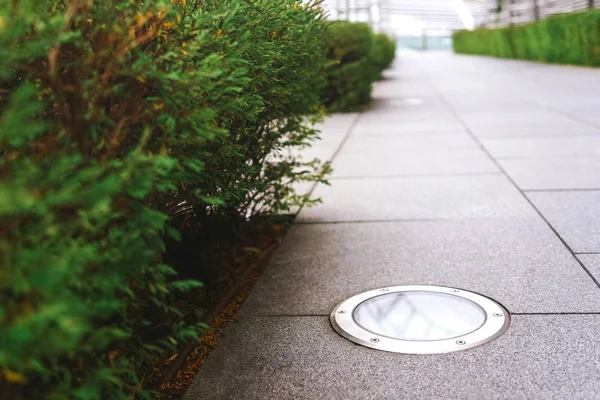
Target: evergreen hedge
358, 58
384, 53
114, 113
563, 39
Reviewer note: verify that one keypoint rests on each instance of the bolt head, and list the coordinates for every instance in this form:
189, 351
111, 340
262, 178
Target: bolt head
374, 340
497, 314
341, 312
455, 290
461, 342
384, 290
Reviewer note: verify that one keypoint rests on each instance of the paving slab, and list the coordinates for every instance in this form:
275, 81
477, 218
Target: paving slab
388, 124
323, 152
334, 137
338, 123
414, 113
546, 146
574, 215
387, 163
516, 117
554, 173
365, 128
302, 188
476, 232
334, 130
408, 105
575, 96
476, 105
536, 128
380, 199
587, 112
539, 357
518, 262
423, 142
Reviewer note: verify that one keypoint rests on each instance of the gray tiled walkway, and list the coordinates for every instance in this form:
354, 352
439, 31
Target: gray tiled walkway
470, 172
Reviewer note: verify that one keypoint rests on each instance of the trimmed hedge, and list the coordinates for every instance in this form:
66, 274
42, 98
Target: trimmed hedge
563, 39
358, 57
115, 116
384, 53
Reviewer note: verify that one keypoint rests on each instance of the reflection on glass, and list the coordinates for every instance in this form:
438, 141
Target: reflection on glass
419, 315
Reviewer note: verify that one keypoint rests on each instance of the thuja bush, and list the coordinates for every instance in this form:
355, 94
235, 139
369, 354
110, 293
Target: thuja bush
564, 39
384, 53
492, 42
357, 57
257, 161
113, 114
351, 50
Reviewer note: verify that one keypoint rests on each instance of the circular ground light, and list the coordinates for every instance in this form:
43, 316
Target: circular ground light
420, 319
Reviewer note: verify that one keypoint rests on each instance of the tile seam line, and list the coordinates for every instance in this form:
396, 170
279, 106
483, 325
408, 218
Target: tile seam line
484, 149
534, 101
568, 115
555, 109
335, 153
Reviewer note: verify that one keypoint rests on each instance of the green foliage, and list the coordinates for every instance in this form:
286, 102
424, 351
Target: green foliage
494, 42
355, 65
111, 112
384, 53
358, 58
563, 39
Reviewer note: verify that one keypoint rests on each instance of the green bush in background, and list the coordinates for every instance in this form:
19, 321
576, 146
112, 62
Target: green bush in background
384, 53
563, 39
351, 73
492, 42
357, 57
111, 113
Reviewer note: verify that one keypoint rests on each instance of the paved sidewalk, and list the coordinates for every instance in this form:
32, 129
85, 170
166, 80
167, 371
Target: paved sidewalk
469, 172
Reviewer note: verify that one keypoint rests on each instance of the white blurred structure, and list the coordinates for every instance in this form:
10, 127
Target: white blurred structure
409, 17
440, 17
499, 13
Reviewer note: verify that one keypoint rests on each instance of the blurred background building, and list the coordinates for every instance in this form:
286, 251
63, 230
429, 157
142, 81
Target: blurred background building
428, 24
499, 13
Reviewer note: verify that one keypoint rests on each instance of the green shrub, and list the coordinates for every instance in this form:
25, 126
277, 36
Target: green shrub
384, 53
352, 71
357, 58
493, 42
257, 162
110, 112
563, 39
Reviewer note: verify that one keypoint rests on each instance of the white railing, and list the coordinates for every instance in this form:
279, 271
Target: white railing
516, 12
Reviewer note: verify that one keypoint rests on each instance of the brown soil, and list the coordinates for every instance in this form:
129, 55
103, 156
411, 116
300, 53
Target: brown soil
232, 260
